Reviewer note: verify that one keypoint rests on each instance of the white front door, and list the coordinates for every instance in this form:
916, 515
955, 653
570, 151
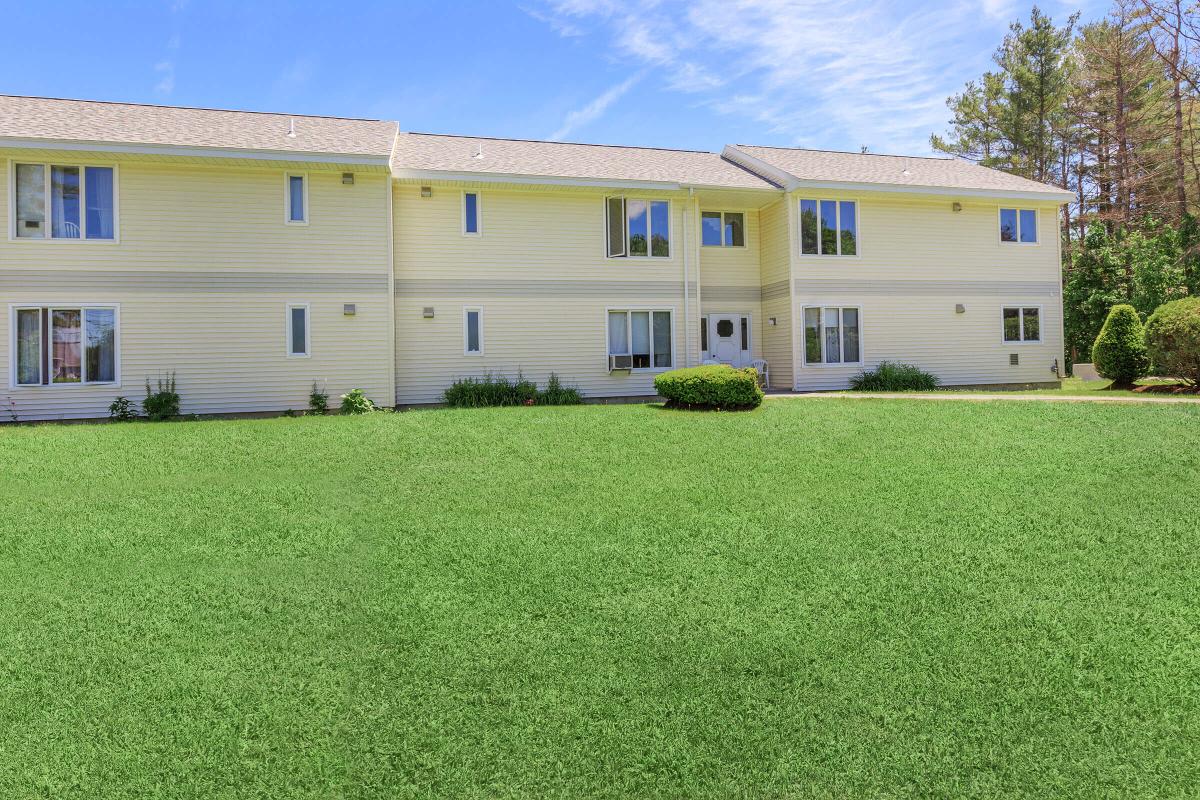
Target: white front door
729, 339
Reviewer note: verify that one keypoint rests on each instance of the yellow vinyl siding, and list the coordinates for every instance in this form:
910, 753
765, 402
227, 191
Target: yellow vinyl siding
774, 271
730, 282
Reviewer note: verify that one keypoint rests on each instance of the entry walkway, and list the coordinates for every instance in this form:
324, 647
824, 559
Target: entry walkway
978, 397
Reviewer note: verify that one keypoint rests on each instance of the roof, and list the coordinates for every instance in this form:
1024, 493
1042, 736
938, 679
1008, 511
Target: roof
89, 121
522, 158
915, 172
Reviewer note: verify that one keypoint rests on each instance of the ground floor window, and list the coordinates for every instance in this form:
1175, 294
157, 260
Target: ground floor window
832, 335
473, 331
644, 336
64, 345
1022, 324
297, 330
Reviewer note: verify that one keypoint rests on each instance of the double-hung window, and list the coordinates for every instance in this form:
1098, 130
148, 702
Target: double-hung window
828, 228
832, 335
295, 196
722, 229
54, 201
1018, 225
297, 330
1022, 324
638, 228
642, 336
471, 214
64, 345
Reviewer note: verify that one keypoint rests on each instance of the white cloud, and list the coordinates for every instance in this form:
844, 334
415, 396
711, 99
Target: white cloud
166, 83
593, 110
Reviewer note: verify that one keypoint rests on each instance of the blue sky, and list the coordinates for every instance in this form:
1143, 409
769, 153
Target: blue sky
835, 74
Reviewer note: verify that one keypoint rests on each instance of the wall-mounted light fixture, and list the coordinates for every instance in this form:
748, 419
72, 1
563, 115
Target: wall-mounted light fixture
426, 191
772, 322
956, 206
349, 309
427, 312
959, 308
348, 178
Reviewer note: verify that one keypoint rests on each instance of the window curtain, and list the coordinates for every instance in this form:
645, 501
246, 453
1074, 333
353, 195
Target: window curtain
662, 339
29, 346
101, 336
99, 189
618, 338
64, 202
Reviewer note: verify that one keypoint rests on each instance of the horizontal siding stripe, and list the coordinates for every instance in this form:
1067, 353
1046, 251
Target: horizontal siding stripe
34, 280
731, 294
774, 290
598, 289
913, 288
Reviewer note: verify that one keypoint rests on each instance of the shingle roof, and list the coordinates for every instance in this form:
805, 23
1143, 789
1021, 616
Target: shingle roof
526, 158
912, 171
132, 124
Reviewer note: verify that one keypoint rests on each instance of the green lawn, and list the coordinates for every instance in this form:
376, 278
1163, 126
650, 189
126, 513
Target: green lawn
814, 599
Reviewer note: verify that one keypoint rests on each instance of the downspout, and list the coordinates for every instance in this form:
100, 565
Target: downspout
797, 323
391, 249
687, 293
699, 297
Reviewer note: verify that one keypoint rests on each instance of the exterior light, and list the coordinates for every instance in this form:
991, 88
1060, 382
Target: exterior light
426, 191
427, 312
348, 178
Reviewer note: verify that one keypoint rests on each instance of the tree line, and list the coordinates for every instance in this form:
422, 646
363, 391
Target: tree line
1109, 111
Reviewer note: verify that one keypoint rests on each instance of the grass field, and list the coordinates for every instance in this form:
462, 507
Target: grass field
813, 599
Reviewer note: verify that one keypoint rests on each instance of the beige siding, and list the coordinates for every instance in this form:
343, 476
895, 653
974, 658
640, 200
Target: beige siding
729, 278
776, 303
202, 272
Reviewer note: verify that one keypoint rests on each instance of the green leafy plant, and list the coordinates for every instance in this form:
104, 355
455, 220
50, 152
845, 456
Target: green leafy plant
122, 409
1120, 350
716, 386
355, 402
892, 377
555, 394
318, 400
1173, 339
163, 403
491, 390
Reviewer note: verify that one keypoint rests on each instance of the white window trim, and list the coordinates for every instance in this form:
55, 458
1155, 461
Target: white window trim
1000, 227
862, 347
745, 229
858, 225
628, 311
466, 338
625, 199
46, 165
478, 212
287, 199
287, 342
45, 309
1021, 317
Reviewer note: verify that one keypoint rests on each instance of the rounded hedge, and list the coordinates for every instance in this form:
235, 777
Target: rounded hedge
1173, 339
1120, 350
713, 386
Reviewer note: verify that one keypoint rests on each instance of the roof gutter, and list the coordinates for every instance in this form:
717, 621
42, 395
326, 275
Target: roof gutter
194, 152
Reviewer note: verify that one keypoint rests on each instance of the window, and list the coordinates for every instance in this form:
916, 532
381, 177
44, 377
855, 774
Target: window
722, 229
704, 334
52, 201
297, 330
828, 228
64, 345
470, 214
473, 331
1022, 324
831, 335
296, 195
1018, 225
638, 228
644, 335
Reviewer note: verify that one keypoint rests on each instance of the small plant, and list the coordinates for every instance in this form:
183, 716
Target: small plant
892, 377
12, 411
355, 402
122, 410
1173, 339
555, 394
318, 400
290, 413
491, 390
1120, 350
716, 386
164, 403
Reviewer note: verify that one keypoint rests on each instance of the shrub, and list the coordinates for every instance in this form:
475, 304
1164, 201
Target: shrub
555, 394
714, 386
318, 400
355, 402
491, 390
1173, 339
164, 403
892, 377
122, 410
1120, 350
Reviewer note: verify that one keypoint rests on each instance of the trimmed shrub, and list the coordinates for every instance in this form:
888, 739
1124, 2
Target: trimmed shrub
1173, 339
164, 403
715, 386
1120, 350
892, 377
355, 402
555, 394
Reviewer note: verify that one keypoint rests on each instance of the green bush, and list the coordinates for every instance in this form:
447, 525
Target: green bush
555, 394
318, 400
714, 386
892, 377
355, 402
1173, 339
493, 390
122, 410
1120, 350
164, 403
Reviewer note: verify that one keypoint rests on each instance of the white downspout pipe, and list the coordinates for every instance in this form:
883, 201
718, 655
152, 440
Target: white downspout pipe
687, 289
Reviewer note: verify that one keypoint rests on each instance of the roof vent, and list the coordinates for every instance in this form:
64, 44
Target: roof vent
478, 151
291, 129
906, 174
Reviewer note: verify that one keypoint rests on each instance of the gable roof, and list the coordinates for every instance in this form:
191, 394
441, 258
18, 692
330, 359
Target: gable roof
796, 167
426, 154
52, 120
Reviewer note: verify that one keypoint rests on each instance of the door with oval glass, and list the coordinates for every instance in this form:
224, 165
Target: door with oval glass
729, 339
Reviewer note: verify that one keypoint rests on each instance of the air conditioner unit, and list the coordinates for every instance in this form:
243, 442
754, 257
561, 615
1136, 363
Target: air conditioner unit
616, 363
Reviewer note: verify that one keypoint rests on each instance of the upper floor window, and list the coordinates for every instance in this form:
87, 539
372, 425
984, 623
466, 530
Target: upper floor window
831, 335
296, 196
638, 228
722, 229
64, 345
1018, 225
53, 201
1022, 324
828, 228
471, 214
